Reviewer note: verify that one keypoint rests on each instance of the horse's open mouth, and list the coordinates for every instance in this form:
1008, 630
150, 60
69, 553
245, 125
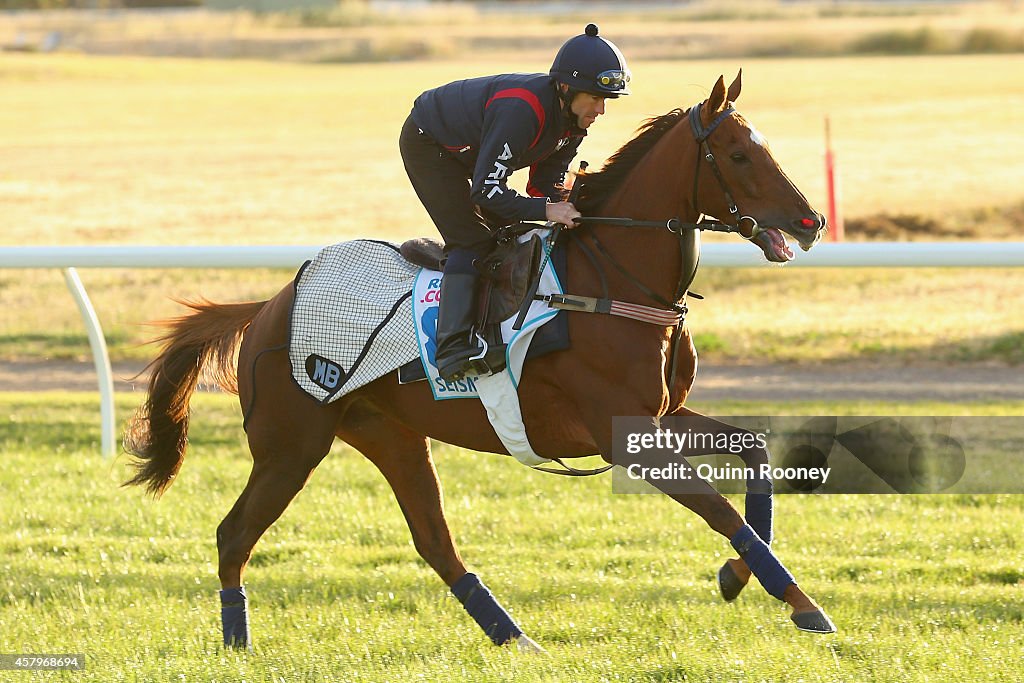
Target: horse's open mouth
777, 249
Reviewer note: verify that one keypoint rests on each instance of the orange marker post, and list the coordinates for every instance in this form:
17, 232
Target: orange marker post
835, 214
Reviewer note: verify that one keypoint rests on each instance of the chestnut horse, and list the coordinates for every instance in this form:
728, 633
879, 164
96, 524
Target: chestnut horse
614, 366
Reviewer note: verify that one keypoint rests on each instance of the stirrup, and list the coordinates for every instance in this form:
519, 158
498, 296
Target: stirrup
484, 347
474, 365
470, 367
467, 365
489, 361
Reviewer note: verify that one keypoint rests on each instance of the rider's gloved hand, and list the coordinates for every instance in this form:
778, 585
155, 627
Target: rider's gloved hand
562, 212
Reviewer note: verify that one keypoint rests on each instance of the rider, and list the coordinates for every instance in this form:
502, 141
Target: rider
462, 141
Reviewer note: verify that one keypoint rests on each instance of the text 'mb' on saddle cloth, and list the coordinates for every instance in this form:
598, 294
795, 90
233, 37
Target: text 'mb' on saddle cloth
362, 311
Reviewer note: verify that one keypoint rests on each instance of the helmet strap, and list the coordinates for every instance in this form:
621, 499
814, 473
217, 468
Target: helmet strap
567, 95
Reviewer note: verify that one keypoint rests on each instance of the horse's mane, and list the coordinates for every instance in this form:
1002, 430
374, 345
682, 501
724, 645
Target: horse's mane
598, 186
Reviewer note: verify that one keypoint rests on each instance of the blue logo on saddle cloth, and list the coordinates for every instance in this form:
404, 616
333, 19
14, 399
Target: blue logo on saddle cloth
425, 296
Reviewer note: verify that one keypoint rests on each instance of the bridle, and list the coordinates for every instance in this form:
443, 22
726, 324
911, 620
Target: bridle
701, 135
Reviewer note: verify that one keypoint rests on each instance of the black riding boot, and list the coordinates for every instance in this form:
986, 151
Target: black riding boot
455, 319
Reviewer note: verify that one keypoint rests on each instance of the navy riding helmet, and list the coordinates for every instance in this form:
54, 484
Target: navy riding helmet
591, 64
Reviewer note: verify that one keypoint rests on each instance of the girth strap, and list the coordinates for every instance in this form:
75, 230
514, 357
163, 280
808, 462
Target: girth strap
622, 309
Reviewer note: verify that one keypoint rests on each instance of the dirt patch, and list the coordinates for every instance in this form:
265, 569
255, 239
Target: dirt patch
67, 375
858, 381
902, 227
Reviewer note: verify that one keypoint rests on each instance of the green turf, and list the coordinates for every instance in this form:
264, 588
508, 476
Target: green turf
616, 587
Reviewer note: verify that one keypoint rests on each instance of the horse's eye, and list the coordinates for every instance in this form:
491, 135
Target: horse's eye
739, 157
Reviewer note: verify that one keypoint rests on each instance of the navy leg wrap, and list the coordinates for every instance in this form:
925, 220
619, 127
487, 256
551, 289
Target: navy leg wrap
762, 562
758, 507
234, 617
485, 610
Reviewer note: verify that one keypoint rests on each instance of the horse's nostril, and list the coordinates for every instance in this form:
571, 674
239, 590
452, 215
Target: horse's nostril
809, 223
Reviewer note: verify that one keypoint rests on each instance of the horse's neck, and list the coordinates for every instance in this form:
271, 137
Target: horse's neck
660, 186
657, 189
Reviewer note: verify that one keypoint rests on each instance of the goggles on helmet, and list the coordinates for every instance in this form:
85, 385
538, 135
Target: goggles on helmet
613, 80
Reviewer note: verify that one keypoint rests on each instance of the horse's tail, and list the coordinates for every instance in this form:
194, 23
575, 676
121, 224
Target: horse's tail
199, 345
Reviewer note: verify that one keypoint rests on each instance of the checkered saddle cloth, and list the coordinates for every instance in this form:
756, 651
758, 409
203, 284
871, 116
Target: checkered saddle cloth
352, 318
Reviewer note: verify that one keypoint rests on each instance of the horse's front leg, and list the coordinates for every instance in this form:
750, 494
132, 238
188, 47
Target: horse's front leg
751, 537
758, 503
715, 509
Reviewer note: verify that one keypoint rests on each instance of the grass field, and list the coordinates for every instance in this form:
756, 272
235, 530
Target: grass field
616, 587
217, 152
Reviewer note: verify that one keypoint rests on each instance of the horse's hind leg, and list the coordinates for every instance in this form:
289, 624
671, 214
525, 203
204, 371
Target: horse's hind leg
286, 448
403, 457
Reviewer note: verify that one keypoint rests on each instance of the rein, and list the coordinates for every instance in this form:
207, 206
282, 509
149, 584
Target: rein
683, 232
572, 471
673, 225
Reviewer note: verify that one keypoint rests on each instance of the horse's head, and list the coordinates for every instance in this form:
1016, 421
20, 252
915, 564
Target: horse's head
739, 182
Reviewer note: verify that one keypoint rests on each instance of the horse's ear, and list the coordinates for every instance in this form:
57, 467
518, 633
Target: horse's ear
715, 103
734, 89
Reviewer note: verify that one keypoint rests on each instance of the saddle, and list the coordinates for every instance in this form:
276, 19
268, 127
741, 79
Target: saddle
506, 272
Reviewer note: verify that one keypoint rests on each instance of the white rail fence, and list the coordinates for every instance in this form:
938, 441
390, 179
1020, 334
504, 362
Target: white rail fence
739, 255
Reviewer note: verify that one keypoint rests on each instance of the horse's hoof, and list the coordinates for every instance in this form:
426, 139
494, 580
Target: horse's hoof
728, 583
814, 622
527, 644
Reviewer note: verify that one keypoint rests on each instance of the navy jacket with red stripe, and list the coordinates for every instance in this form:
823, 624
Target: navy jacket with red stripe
497, 124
